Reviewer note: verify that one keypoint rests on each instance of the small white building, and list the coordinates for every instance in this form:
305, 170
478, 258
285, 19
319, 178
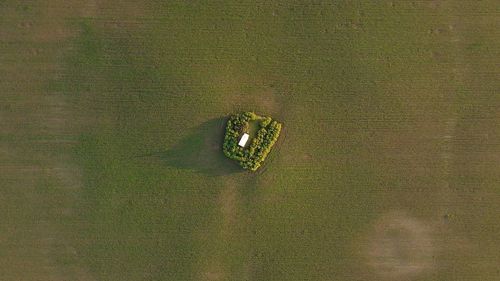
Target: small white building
243, 140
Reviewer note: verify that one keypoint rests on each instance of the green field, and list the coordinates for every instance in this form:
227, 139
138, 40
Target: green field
112, 117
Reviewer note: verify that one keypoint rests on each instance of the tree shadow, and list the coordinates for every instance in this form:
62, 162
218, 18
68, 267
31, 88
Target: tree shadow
201, 151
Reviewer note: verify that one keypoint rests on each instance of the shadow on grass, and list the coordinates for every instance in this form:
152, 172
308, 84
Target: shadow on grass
201, 151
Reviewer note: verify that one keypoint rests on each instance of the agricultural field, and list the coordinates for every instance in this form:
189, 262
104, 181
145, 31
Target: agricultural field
112, 119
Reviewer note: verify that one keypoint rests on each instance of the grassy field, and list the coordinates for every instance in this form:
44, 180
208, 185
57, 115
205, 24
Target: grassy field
113, 113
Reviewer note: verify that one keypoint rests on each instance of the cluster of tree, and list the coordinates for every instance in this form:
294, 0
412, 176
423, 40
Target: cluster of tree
262, 144
236, 126
252, 157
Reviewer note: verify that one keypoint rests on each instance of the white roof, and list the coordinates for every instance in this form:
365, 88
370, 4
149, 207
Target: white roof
243, 140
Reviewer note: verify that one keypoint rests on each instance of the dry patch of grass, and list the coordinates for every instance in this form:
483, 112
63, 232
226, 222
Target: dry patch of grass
400, 247
40, 185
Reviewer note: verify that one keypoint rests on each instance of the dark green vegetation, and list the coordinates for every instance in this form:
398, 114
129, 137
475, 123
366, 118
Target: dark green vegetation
261, 141
110, 140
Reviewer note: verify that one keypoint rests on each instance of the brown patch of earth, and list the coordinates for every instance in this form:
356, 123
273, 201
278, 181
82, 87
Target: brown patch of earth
228, 202
212, 273
399, 247
244, 92
40, 183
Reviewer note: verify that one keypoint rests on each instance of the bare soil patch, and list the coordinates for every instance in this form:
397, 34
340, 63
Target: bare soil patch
400, 247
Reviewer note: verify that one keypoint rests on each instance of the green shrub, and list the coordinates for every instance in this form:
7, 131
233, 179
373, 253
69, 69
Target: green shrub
252, 156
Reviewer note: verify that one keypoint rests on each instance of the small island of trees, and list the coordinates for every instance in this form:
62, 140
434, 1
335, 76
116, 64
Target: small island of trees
263, 131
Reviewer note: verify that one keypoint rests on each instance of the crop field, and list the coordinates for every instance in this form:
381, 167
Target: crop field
112, 119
